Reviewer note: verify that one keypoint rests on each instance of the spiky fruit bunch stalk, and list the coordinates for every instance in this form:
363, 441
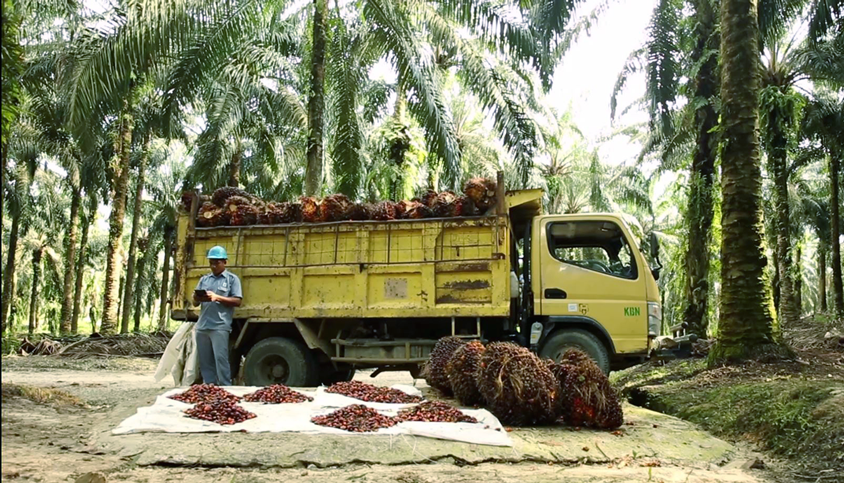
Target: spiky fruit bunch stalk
221, 195
209, 215
588, 398
462, 371
310, 209
335, 207
435, 369
517, 386
383, 211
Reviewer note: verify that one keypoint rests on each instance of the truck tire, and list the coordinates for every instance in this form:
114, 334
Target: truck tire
278, 360
343, 375
565, 339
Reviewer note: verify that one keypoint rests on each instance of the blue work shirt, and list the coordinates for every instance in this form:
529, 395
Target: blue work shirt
215, 315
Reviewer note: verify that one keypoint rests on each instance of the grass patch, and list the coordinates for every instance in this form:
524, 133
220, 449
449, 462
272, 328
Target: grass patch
652, 373
40, 395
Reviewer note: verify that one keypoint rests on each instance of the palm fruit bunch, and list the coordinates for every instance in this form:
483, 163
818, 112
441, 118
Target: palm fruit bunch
429, 198
518, 387
358, 212
311, 212
481, 191
444, 204
210, 215
435, 412
241, 211
221, 195
270, 214
587, 397
383, 211
187, 198
335, 207
462, 371
416, 210
435, 368
464, 206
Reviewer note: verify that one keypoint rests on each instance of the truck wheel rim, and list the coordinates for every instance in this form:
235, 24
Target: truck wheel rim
275, 369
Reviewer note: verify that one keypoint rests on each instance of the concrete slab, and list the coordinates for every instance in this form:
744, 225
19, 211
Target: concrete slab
646, 434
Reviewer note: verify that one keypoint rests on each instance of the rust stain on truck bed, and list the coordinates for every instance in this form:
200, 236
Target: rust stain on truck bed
466, 284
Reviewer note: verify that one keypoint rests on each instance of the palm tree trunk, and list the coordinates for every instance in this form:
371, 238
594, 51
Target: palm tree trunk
133, 241
70, 257
80, 275
234, 166
798, 280
787, 309
316, 103
138, 291
36, 280
822, 277
165, 281
701, 207
111, 297
745, 323
837, 287
9, 274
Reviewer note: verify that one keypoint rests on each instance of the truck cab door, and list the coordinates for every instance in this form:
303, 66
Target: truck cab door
590, 271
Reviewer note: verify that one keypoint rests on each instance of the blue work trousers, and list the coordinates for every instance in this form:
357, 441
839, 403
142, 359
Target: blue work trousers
213, 347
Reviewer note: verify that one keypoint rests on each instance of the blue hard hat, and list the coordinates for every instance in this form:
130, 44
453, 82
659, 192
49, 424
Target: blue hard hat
217, 253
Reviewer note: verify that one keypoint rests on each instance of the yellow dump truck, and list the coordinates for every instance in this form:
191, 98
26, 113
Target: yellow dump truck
323, 299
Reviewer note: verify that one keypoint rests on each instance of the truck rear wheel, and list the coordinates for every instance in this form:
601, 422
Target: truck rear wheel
566, 339
278, 360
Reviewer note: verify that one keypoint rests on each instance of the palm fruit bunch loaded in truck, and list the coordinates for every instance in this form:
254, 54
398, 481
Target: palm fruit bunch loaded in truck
331, 285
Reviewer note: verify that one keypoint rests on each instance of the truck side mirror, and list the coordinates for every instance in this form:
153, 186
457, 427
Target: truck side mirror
653, 242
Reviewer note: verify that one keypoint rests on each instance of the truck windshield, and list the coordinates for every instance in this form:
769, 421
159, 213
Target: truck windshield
594, 245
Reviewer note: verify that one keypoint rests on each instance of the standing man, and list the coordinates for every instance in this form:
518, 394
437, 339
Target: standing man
219, 293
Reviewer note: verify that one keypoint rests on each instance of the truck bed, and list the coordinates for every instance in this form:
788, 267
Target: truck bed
439, 267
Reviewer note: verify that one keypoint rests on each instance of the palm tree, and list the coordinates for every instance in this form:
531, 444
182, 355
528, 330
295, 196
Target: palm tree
87, 220
823, 124
745, 324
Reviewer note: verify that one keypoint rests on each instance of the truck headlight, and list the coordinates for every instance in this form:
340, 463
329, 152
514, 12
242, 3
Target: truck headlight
654, 319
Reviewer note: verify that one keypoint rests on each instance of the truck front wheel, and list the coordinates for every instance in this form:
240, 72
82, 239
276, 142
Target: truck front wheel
566, 339
278, 360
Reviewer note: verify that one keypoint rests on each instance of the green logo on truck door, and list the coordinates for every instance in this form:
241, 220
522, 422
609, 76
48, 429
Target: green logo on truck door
632, 311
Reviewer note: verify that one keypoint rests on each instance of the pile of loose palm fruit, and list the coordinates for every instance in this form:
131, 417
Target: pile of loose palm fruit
369, 393
520, 388
357, 418
276, 394
213, 403
230, 206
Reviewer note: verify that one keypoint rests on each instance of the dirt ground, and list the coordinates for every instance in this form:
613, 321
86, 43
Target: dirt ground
67, 441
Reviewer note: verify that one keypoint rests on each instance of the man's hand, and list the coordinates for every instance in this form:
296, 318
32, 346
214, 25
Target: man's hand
212, 296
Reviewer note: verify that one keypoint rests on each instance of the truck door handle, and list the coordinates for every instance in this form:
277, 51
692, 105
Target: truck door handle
555, 293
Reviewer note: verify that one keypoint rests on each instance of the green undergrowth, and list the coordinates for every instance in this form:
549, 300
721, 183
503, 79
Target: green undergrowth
799, 417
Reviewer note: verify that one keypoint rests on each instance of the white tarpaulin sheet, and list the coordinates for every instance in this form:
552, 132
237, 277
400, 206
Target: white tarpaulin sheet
167, 415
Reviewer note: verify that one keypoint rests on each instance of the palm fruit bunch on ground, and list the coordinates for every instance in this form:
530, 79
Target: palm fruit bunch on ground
587, 397
211, 215
481, 191
435, 369
335, 208
242, 211
462, 371
517, 386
